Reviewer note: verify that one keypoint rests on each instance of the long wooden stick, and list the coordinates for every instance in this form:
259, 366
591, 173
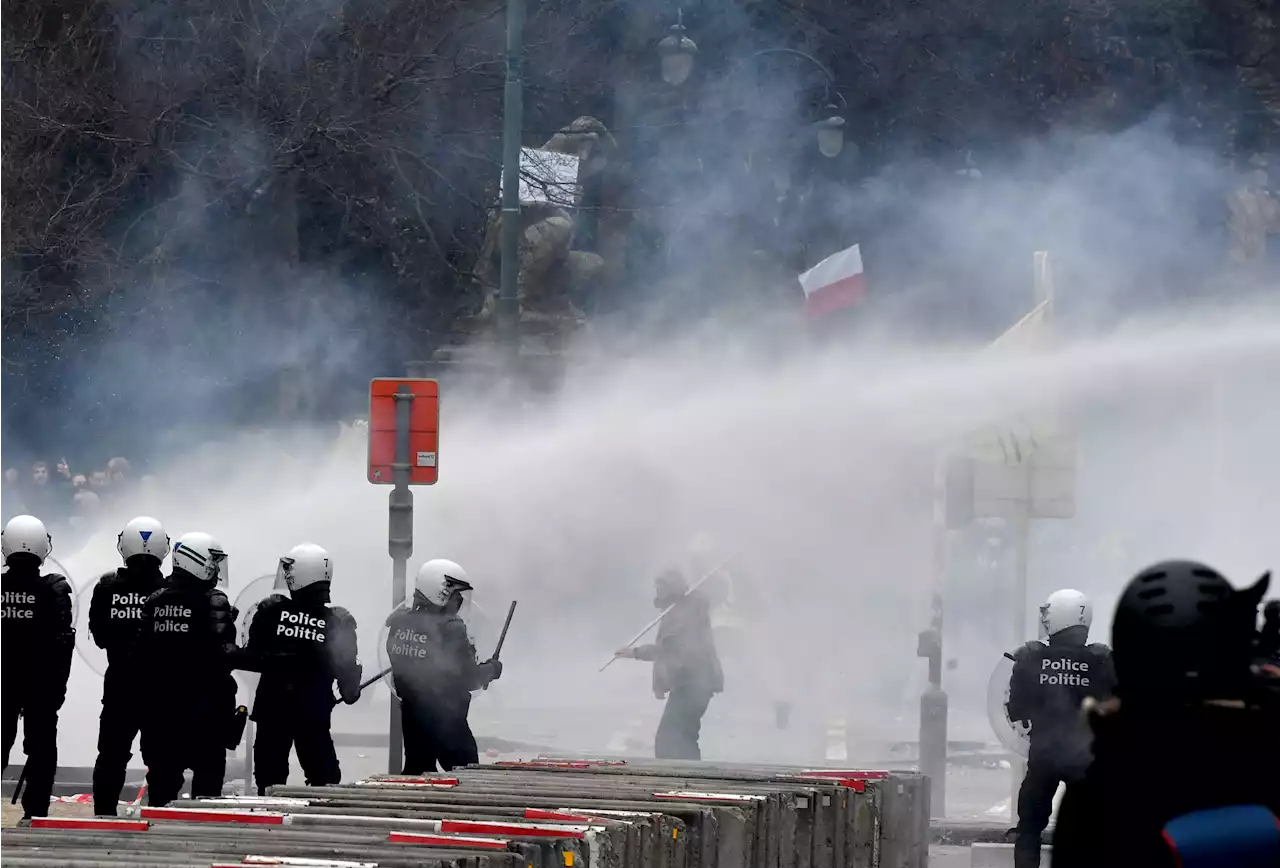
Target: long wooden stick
658, 620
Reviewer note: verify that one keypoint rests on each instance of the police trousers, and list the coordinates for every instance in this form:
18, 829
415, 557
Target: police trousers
39, 712
681, 724
436, 731
306, 728
177, 740
1035, 802
118, 726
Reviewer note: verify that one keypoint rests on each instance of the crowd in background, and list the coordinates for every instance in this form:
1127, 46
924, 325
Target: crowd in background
63, 496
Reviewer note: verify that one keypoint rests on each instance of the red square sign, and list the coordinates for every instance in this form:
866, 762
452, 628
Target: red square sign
424, 430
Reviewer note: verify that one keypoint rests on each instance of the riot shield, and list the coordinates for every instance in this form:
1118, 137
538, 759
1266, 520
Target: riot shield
246, 603
1014, 735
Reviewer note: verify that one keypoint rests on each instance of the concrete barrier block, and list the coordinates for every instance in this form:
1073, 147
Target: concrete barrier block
988, 855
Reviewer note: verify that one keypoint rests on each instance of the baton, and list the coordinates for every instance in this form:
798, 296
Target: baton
18, 789
502, 637
337, 700
636, 638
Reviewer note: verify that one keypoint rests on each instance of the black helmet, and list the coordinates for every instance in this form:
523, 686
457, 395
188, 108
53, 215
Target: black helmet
1181, 631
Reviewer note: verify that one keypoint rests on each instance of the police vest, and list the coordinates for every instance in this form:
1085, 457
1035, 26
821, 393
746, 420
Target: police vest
412, 640
296, 638
125, 607
425, 645
119, 598
1061, 677
21, 610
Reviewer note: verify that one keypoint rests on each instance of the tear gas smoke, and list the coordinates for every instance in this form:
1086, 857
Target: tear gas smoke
815, 467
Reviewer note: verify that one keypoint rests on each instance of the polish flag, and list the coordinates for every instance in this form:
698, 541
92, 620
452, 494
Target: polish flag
834, 283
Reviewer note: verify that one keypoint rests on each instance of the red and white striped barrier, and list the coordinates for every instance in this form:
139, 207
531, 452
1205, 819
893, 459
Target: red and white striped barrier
294, 860
249, 803
851, 774
564, 816
559, 764
520, 830
691, 796
97, 824
427, 839
214, 815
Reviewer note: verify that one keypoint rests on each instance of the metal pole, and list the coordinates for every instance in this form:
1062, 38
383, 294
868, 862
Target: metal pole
249, 788
512, 126
400, 547
1021, 543
933, 701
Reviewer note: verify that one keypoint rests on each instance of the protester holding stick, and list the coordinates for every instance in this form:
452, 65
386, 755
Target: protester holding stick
686, 668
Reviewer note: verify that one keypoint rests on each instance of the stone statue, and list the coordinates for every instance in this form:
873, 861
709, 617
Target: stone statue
551, 271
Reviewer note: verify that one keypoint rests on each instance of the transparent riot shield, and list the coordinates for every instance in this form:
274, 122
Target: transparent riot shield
246, 603
384, 657
1014, 735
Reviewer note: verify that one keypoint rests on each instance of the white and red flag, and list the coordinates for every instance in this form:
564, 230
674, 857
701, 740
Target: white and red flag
834, 283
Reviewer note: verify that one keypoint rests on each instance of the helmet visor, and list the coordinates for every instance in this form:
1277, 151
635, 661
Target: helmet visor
284, 575
217, 569
458, 587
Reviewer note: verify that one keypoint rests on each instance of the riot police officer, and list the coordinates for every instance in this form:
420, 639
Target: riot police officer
38, 639
185, 654
1049, 683
301, 644
434, 667
115, 619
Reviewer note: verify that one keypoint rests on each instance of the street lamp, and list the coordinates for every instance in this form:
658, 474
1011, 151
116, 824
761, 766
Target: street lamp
678, 52
830, 133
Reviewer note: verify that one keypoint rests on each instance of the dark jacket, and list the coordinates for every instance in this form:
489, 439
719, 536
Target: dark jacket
38, 635
684, 651
1154, 764
115, 614
431, 654
1048, 687
187, 646
301, 650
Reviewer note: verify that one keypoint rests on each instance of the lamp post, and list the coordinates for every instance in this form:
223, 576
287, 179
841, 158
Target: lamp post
678, 53
508, 310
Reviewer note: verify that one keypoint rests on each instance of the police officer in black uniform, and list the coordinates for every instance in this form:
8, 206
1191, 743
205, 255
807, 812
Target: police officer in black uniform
433, 664
1047, 688
38, 640
1192, 727
115, 618
301, 645
185, 654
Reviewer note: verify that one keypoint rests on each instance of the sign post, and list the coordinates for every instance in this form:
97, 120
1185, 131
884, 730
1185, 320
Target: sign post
1019, 469
404, 432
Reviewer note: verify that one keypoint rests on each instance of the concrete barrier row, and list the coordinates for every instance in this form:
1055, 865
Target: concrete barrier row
543, 814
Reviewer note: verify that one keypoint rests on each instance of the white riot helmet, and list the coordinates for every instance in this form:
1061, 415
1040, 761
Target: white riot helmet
306, 564
143, 536
199, 554
438, 580
1064, 609
25, 533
